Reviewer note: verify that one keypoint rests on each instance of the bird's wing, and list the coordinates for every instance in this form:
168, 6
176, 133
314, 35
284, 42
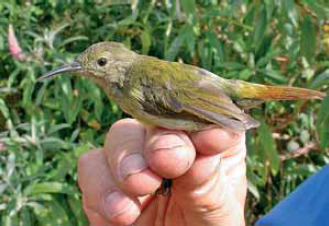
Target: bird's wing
212, 104
172, 88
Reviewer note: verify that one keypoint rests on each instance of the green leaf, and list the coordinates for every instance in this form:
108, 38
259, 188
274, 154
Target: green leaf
74, 135
176, 44
322, 124
53, 143
233, 66
50, 187
308, 42
190, 39
59, 214
270, 6
11, 164
215, 46
76, 206
10, 220
268, 145
12, 77
52, 213
3, 108
26, 217
260, 28
320, 80
120, 2
73, 39
188, 6
43, 214
80, 150
275, 76
253, 190
71, 105
28, 88
57, 127
3, 187
95, 95
146, 41
290, 11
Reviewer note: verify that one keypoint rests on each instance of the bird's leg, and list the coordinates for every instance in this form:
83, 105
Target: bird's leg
165, 188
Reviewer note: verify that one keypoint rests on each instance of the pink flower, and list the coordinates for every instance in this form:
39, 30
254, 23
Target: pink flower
14, 47
2, 146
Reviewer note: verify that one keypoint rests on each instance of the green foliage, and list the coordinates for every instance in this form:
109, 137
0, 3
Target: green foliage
45, 127
322, 124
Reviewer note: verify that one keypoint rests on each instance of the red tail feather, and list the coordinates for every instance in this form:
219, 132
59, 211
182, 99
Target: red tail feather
256, 91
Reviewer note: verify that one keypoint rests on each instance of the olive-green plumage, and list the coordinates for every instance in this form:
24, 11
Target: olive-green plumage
174, 95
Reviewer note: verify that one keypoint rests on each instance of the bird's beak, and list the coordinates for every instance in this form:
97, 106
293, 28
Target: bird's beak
75, 66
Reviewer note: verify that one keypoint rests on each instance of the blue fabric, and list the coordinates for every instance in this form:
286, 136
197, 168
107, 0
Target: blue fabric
308, 205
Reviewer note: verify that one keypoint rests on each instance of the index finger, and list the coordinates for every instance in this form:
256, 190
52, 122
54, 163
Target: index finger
124, 151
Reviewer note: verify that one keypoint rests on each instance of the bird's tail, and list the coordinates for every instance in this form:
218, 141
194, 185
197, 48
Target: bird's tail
263, 92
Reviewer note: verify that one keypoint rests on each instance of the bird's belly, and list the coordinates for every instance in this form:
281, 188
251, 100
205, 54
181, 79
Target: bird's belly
173, 121
170, 123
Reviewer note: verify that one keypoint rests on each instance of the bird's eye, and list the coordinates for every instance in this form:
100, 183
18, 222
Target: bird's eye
101, 62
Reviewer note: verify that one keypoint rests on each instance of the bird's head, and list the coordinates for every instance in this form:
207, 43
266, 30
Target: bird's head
104, 60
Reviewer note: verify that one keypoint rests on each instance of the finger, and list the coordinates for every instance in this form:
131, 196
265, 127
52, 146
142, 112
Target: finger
124, 150
94, 217
169, 153
207, 193
203, 168
231, 147
215, 140
214, 145
103, 201
234, 167
205, 171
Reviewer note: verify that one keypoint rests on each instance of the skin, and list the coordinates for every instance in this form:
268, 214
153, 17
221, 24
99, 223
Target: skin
119, 181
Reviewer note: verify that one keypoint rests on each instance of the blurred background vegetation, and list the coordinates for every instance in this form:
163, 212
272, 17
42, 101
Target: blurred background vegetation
45, 127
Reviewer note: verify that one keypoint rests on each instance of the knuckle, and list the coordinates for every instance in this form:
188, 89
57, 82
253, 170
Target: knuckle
168, 141
122, 127
121, 123
85, 159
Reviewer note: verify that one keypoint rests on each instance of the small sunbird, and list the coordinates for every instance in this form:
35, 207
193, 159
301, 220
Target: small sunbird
174, 95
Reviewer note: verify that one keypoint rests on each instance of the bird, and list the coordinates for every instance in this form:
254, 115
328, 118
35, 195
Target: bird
174, 95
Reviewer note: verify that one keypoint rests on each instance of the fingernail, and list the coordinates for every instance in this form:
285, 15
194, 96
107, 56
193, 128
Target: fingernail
210, 127
167, 141
132, 164
116, 203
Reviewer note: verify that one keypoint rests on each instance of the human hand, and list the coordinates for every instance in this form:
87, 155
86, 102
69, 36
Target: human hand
119, 181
